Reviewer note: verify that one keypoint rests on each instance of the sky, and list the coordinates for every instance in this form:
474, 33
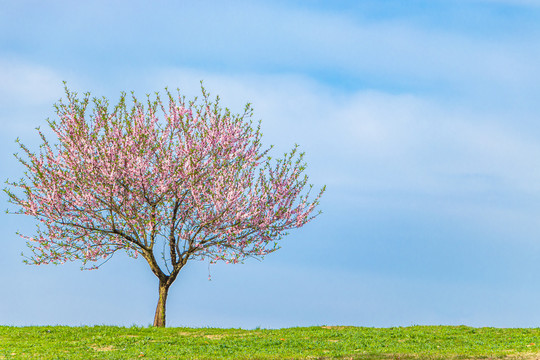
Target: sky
420, 117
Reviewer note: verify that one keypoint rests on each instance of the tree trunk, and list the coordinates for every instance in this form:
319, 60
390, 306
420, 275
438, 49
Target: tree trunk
159, 318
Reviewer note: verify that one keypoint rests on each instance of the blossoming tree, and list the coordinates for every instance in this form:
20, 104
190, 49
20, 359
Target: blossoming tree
193, 186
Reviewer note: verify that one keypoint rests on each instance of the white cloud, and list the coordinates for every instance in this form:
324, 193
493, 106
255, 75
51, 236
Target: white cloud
28, 84
368, 140
379, 141
396, 51
234, 35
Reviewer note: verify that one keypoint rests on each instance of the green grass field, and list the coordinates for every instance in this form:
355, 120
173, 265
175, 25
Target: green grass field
322, 342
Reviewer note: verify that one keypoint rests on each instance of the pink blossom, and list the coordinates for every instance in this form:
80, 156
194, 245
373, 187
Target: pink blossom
198, 187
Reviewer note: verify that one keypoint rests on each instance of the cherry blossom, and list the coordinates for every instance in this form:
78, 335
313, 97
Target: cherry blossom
170, 183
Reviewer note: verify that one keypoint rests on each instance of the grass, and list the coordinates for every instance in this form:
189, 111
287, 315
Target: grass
322, 342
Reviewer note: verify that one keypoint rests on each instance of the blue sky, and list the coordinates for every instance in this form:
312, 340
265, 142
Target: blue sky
421, 117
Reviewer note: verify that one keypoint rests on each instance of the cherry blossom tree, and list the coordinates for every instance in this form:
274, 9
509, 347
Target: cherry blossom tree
194, 185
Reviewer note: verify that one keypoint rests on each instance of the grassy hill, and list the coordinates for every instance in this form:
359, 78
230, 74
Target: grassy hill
322, 342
